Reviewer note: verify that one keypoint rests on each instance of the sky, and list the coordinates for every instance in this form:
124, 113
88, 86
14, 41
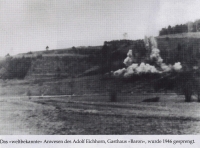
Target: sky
31, 25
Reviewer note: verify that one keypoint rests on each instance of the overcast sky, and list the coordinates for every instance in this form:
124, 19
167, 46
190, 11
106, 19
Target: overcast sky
31, 25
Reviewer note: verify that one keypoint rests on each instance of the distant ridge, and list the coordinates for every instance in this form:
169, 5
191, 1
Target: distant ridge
77, 51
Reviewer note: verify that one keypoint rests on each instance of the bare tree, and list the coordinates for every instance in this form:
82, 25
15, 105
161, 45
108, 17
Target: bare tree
47, 48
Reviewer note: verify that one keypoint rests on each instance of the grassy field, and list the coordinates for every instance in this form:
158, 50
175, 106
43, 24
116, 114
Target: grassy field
93, 113
81, 86
86, 115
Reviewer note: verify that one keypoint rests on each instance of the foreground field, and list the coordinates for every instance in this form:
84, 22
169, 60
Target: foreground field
96, 115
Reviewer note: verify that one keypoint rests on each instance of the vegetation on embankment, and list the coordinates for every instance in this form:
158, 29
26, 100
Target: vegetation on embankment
12, 68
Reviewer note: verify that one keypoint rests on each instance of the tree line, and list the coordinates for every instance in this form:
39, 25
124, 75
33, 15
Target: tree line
182, 28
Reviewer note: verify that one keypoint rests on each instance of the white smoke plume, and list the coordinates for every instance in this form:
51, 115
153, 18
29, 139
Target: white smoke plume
155, 55
177, 66
146, 68
146, 41
134, 68
119, 72
129, 60
142, 68
166, 68
153, 42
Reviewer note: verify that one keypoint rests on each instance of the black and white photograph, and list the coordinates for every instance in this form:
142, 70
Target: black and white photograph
100, 67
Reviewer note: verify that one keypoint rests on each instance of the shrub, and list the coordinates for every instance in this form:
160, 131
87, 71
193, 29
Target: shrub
185, 82
17, 67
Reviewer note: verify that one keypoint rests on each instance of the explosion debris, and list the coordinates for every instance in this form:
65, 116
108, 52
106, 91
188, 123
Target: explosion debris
129, 60
140, 68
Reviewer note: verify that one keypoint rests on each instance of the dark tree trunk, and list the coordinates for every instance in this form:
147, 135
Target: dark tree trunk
198, 96
188, 96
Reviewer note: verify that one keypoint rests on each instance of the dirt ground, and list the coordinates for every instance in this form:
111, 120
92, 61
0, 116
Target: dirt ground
94, 115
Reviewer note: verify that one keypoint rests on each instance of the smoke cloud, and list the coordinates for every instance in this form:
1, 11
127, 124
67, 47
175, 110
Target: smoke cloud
119, 72
136, 68
177, 66
129, 60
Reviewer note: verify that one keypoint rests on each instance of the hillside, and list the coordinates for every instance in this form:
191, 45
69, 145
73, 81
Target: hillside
77, 61
171, 41
50, 63
58, 66
85, 65
183, 48
73, 51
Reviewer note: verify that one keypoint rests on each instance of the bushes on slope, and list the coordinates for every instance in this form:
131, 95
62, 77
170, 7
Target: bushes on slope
15, 67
